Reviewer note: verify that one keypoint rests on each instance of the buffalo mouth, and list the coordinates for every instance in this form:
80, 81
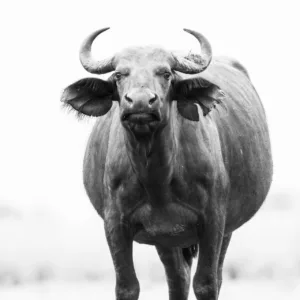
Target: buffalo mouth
141, 123
141, 118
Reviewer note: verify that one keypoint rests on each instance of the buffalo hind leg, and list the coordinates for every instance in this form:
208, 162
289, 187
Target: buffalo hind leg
177, 263
225, 244
206, 283
120, 243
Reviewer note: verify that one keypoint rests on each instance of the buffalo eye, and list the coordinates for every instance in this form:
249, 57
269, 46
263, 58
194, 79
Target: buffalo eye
167, 75
118, 76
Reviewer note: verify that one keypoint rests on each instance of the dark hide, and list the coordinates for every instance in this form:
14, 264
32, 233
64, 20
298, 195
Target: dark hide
203, 175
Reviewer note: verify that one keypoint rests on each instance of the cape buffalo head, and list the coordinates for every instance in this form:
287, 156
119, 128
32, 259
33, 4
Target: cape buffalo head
144, 83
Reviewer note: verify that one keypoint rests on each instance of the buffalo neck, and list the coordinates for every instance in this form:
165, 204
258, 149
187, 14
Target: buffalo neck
152, 160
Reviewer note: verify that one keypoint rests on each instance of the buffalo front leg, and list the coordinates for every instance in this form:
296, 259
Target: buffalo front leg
120, 242
206, 281
178, 269
225, 244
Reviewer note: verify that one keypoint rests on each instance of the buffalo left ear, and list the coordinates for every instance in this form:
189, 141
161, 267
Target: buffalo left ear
89, 96
188, 110
197, 91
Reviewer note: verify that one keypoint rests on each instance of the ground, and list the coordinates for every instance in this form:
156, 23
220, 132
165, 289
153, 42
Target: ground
232, 290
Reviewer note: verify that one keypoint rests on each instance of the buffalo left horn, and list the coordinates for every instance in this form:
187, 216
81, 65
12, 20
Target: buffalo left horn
88, 62
195, 63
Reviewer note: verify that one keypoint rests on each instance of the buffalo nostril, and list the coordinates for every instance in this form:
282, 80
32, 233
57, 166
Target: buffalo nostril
129, 100
152, 100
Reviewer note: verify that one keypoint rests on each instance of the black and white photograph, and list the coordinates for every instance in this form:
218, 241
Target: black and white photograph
150, 150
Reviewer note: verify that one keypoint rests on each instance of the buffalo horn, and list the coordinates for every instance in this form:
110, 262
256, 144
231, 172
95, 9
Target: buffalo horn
88, 62
193, 64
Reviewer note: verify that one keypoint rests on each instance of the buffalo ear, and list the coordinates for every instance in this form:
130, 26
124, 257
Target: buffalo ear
89, 96
188, 110
194, 91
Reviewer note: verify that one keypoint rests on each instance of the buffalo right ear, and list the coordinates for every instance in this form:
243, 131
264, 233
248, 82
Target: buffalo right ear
89, 96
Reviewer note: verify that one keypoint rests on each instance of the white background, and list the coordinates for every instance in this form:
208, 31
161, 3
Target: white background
42, 146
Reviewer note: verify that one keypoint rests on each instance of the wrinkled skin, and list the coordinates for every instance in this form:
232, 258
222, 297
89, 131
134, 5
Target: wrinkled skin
177, 161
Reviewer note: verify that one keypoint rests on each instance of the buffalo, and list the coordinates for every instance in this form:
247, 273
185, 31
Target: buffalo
178, 158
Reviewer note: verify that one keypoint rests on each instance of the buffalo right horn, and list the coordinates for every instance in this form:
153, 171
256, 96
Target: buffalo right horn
88, 62
196, 63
